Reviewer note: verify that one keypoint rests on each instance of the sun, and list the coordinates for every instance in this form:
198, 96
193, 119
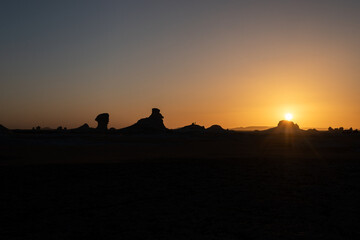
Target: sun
288, 116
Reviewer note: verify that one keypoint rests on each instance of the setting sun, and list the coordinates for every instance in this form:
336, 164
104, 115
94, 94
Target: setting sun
288, 116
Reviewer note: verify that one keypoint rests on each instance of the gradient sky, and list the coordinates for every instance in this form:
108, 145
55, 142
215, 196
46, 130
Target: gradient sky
233, 63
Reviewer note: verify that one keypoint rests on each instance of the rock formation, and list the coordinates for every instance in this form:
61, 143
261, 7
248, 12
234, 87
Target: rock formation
215, 129
102, 120
284, 124
3, 129
82, 129
152, 124
287, 127
193, 128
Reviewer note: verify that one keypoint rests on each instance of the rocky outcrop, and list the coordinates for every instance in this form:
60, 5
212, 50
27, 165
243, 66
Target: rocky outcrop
82, 129
3, 130
215, 129
103, 121
152, 124
287, 127
193, 128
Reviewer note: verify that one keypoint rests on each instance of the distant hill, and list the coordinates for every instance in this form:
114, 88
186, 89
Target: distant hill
251, 128
215, 129
318, 129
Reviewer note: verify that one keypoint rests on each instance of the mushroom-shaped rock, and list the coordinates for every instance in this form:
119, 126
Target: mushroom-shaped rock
102, 120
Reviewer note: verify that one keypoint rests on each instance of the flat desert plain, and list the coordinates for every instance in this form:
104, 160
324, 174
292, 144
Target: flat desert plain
175, 186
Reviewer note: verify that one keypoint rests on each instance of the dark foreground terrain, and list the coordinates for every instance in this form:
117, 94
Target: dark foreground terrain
231, 186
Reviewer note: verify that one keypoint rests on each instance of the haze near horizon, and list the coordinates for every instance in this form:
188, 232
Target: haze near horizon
233, 63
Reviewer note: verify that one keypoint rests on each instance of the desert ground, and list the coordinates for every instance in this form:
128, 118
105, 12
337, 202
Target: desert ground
180, 186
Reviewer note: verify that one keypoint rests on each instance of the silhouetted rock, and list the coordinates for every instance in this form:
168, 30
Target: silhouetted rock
84, 126
215, 129
313, 130
82, 129
285, 126
3, 129
193, 128
341, 130
288, 124
102, 120
350, 131
153, 124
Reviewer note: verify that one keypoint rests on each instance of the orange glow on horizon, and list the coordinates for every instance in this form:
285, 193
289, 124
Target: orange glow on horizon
245, 72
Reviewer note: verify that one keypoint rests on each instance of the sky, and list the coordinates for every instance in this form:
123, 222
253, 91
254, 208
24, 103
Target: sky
233, 63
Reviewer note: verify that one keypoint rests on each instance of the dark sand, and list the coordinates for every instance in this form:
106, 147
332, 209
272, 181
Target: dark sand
246, 185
